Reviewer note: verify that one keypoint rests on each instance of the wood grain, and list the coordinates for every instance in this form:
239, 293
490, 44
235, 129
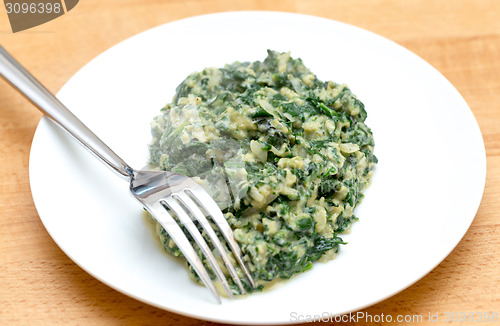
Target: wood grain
40, 285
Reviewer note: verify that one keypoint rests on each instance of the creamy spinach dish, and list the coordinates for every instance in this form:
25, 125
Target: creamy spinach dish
285, 155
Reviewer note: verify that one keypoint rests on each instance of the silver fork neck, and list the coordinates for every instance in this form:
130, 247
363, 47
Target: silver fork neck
34, 91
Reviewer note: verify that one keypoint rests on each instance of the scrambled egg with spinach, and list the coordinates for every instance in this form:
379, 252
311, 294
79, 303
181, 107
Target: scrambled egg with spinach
285, 155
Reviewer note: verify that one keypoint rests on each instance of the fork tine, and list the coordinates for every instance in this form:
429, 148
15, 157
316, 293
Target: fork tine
175, 232
200, 217
204, 200
186, 220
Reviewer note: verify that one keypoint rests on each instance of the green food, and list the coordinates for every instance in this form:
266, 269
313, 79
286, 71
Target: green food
285, 155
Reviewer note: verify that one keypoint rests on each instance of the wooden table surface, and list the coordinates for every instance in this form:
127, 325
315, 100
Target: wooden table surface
40, 285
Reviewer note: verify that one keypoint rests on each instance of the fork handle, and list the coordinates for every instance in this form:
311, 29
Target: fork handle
34, 91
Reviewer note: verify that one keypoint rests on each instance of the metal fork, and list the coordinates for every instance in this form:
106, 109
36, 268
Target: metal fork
162, 193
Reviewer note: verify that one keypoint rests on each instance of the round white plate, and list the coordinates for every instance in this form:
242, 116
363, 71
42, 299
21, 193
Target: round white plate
424, 195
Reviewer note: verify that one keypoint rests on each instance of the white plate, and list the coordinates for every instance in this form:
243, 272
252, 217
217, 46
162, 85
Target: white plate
424, 195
